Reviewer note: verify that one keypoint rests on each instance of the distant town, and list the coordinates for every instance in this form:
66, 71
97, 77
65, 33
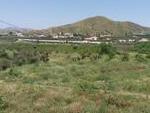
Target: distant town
76, 38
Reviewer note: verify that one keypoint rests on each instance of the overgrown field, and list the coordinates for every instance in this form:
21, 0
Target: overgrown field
74, 78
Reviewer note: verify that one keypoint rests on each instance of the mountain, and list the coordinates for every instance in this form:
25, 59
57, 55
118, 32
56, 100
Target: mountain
14, 29
100, 24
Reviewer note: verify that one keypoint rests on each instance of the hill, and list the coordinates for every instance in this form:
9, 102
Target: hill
100, 24
14, 29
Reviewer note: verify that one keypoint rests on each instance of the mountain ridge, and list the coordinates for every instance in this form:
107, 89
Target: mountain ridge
99, 24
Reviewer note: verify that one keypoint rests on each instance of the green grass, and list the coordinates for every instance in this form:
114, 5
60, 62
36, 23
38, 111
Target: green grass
64, 85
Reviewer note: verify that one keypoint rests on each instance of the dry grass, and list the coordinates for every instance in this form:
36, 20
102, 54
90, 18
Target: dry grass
85, 86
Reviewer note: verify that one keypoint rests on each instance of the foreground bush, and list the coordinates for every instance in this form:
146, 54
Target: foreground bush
3, 104
85, 86
75, 57
125, 57
140, 58
107, 50
148, 56
5, 63
19, 57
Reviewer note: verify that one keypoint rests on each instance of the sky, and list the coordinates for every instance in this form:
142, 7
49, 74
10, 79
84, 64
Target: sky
39, 14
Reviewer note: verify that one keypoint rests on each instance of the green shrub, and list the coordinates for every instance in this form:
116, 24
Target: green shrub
3, 54
103, 77
9, 54
14, 73
35, 59
148, 56
125, 57
20, 56
142, 47
3, 104
4, 64
65, 79
103, 107
85, 86
44, 57
106, 49
75, 57
94, 56
19, 60
85, 55
140, 58
117, 101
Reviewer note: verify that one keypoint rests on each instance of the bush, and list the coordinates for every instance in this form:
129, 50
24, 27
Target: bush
20, 55
19, 60
125, 57
14, 73
94, 56
3, 54
85, 55
107, 50
4, 64
9, 54
34, 59
44, 57
142, 47
75, 57
140, 58
103, 107
148, 56
3, 104
117, 101
85, 86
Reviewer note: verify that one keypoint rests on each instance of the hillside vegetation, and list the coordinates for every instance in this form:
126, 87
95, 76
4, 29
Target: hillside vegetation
74, 79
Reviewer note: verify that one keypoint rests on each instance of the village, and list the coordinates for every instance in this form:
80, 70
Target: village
77, 38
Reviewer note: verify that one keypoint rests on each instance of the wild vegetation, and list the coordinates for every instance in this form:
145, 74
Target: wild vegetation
58, 78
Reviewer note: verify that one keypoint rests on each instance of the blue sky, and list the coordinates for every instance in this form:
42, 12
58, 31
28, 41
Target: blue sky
46, 13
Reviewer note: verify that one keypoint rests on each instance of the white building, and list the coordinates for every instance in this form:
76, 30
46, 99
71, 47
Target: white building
131, 40
19, 34
108, 39
41, 36
106, 35
55, 36
122, 41
69, 35
94, 38
143, 40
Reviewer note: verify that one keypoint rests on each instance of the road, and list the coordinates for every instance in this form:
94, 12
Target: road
58, 41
